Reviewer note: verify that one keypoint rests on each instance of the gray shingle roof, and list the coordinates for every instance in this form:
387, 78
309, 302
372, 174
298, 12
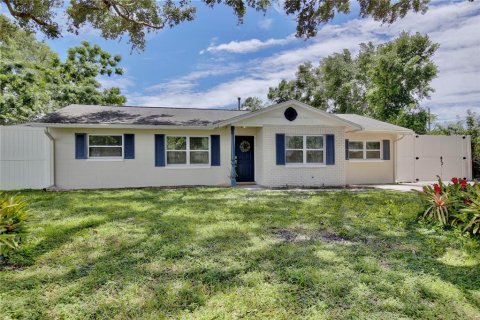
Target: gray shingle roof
369, 124
105, 115
90, 114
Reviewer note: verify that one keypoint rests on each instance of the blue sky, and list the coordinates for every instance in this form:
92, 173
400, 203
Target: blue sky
210, 61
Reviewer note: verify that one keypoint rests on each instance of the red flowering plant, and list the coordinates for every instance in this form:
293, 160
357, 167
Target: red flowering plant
454, 204
439, 202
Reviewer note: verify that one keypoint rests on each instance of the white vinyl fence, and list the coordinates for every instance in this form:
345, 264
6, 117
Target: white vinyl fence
26, 158
424, 157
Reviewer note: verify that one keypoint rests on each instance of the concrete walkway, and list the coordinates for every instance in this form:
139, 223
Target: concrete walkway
402, 187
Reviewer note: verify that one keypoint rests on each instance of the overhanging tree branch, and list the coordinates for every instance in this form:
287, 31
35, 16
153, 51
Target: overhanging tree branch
51, 26
127, 15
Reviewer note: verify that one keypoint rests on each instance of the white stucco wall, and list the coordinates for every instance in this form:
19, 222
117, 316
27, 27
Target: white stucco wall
274, 175
71, 173
370, 171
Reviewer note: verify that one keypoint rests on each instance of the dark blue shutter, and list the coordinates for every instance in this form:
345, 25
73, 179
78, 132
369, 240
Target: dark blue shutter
330, 149
386, 149
280, 148
129, 144
159, 150
215, 141
346, 149
80, 146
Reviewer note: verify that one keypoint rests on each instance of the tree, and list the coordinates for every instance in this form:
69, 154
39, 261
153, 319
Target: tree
252, 104
115, 18
469, 126
33, 80
386, 82
307, 87
78, 77
399, 77
344, 86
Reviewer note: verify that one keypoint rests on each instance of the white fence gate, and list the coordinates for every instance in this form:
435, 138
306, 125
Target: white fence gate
424, 157
26, 158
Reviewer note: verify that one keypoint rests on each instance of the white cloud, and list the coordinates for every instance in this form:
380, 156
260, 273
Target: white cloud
122, 82
265, 24
247, 46
454, 25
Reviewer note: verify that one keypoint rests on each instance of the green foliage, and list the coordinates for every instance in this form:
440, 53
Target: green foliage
471, 212
456, 204
386, 82
25, 74
78, 77
399, 78
307, 87
343, 80
440, 202
13, 218
470, 126
115, 18
252, 104
438, 205
33, 80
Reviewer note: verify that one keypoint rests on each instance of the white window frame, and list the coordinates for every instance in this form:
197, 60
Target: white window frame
95, 146
304, 149
364, 150
187, 150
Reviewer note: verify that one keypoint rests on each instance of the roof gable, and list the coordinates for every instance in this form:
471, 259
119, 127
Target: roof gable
274, 115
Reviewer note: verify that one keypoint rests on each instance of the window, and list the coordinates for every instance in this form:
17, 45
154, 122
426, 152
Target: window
304, 149
188, 150
105, 146
373, 150
364, 150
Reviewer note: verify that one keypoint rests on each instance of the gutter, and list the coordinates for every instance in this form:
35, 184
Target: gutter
119, 126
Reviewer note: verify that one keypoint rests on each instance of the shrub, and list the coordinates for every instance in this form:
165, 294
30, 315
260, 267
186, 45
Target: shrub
439, 203
13, 218
471, 212
455, 204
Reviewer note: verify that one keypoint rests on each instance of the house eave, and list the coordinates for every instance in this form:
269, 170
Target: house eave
120, 126
388, 131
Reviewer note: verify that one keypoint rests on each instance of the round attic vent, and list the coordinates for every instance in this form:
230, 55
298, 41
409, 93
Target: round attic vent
291, 114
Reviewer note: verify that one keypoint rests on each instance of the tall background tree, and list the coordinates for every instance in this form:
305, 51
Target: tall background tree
33, 80
386, 82
116, 18
252, 104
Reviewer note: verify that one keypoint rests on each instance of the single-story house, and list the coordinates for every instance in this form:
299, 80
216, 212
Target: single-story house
286, 144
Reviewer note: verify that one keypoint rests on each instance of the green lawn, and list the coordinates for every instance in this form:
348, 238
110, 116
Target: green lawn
229, 253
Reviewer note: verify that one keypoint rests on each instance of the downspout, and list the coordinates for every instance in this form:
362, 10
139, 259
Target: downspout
395, 171
233, 174
52, 156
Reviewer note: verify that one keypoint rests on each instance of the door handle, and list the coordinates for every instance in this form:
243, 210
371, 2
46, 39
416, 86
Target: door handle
441, 160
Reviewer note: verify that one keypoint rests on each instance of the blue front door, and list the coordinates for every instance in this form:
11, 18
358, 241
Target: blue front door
244, 154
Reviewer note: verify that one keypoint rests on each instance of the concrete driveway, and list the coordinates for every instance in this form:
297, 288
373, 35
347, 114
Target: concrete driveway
404, 187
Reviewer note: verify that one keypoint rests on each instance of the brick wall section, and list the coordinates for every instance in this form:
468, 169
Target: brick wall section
273, 175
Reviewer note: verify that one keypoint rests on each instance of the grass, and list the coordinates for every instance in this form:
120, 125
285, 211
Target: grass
212, 253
